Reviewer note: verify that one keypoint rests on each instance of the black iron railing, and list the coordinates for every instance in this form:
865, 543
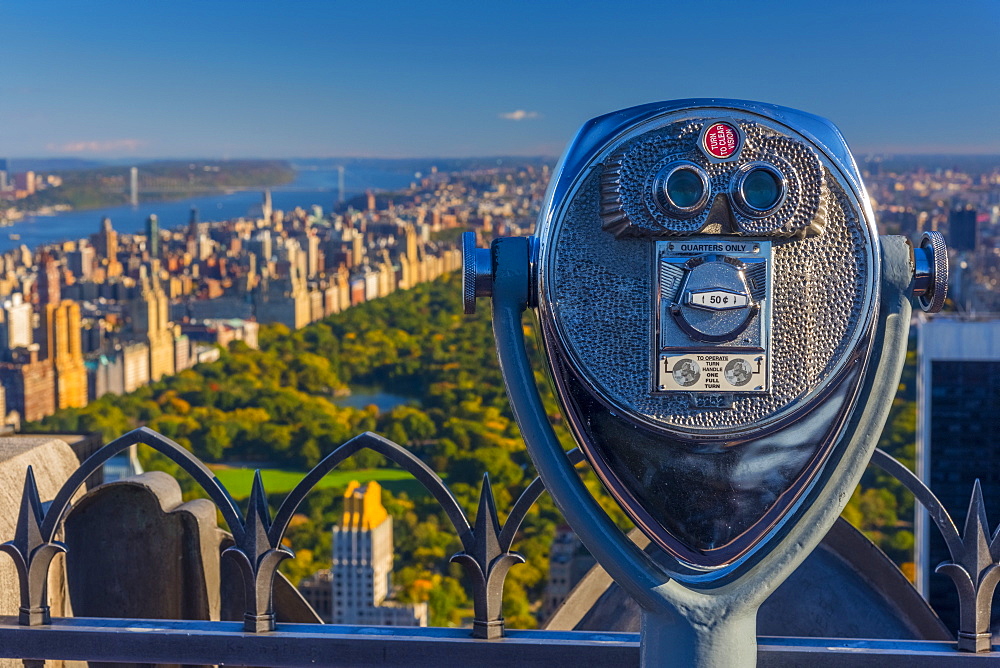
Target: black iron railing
486, 556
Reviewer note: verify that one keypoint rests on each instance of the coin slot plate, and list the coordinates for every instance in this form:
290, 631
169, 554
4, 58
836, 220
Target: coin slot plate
697, 368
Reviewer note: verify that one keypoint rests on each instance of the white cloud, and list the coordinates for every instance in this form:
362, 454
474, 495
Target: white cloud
520, 115
98, 146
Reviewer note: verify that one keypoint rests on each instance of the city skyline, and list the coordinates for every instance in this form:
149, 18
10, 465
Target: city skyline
108, 80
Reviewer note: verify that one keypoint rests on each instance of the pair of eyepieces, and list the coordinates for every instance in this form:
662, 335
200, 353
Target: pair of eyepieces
682, 189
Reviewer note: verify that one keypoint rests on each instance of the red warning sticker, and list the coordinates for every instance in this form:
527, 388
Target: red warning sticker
721, 140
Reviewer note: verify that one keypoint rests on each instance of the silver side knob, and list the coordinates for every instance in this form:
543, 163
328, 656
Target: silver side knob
477, 272
930, 272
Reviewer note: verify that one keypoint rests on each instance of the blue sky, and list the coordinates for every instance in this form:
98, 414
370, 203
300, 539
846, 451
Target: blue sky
400, 79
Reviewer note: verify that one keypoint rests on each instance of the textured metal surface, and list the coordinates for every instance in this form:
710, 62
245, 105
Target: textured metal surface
699, 605
628, 202
599, 283
469, 272
707, 480
931, 272
477, 272
477, 275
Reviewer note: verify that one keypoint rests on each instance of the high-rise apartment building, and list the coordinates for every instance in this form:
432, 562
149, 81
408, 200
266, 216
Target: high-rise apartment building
285, 298
29, 384
16, 327
62, 340
362, 564
107, 248
80, 262
25, 182
569, 561
49, 280
150, 322
409, 260
958, 434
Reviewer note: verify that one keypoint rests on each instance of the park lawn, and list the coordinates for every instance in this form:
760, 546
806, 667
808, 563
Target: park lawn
276, 481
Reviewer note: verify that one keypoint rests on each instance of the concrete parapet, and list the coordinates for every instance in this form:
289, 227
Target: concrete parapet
136, 550
52, 462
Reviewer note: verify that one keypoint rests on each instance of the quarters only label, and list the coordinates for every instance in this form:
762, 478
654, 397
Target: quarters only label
701, 372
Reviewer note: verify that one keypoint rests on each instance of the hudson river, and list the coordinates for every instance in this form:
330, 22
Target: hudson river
310, 187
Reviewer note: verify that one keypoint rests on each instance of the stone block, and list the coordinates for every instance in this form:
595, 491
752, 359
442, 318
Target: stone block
135, 549
53, 462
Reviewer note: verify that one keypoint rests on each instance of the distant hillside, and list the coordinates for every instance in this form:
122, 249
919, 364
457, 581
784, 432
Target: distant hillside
48, 165
411, 165
158, 181
967, 164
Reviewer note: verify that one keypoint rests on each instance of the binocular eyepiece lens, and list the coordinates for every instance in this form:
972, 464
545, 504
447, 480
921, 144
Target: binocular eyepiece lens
684, 188
681, 189
760, 190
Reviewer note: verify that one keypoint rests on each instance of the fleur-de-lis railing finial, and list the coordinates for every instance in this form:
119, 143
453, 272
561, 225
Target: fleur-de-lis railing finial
975, 572
974, 555
487, 566
258, 559
32, 554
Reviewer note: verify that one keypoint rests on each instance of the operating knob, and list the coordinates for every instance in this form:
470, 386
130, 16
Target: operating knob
477, 272
930, 272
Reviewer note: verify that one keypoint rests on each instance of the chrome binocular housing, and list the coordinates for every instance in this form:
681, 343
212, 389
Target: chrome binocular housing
707, 276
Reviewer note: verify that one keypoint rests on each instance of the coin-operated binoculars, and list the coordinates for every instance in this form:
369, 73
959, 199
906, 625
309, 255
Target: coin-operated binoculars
725, 330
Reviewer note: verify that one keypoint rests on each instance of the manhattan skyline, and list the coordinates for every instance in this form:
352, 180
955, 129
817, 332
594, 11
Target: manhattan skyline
447, 79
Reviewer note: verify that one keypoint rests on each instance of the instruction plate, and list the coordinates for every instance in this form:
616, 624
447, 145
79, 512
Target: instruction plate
712, 372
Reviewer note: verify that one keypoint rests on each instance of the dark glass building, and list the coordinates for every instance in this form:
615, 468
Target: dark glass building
958, 438
963, 231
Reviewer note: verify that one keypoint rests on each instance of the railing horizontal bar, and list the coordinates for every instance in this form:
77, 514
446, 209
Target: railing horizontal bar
775, 652
293, 645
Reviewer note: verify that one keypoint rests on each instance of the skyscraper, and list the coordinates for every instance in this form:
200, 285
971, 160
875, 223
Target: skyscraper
107, 248
193, 225
150, 323
62, 335
963, 231
134, 186
153, 236
958, 410
362, 564
81, 261
409, 259
265, 207
48, 280
27, 379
